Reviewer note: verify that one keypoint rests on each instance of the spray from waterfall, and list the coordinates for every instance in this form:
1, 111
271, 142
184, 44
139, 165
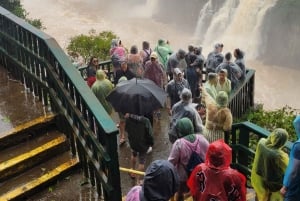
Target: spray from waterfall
235, 23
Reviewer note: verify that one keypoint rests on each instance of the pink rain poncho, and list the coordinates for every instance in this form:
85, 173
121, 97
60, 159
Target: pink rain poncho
269, 165
214, 179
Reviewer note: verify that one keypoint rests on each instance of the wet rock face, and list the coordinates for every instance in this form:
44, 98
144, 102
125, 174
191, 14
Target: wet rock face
280, 34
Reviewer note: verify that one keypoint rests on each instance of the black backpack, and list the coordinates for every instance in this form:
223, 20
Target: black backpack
194, 160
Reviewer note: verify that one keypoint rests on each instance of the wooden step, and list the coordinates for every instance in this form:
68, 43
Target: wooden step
38, 177
27, 131
34, 155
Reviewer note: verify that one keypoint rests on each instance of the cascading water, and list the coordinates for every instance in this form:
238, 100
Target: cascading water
235, 23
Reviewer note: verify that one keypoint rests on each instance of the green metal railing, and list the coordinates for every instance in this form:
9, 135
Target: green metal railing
40, 64
243, 149
242, 99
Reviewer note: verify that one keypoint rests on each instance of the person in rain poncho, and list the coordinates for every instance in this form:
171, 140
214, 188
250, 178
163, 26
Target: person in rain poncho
101, 88
234, 72
218, 116
210, 85
269, 166
160, 183
176, 60
184, 108
182, 151
163, 51
223, 84
291, 181
175, 87
214, 179
239, 60
214, 58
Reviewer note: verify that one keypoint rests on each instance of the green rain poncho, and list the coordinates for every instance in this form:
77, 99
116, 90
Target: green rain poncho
269, 166
101, 88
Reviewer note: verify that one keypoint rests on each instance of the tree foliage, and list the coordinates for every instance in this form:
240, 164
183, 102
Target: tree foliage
280, 118
17, 9
92, 44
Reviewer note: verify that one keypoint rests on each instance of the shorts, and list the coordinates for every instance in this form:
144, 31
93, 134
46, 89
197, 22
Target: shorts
141, 156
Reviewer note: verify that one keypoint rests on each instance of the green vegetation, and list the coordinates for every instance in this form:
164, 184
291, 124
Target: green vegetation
16, 8
92, 44
280, 118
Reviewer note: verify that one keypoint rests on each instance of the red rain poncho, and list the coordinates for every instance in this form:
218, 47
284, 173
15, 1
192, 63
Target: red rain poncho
214, 179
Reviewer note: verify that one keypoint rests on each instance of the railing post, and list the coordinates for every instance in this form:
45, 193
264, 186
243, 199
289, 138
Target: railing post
244, 136
113, 167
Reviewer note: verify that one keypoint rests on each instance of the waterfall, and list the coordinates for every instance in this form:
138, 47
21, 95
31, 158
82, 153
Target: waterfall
235, 23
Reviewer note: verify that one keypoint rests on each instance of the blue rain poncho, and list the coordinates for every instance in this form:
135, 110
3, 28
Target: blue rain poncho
292, 175
269, 166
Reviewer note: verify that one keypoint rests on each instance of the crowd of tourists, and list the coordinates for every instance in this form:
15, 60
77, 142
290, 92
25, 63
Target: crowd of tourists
199, 161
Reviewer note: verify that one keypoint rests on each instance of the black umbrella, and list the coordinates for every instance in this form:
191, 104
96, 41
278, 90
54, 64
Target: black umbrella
137, 96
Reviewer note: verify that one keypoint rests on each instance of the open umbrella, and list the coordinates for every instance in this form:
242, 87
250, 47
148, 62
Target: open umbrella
137, 96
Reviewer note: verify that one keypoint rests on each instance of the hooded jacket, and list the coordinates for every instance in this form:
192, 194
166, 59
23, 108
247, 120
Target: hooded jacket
214, 179
269, 165
160, 183
292, 175
101, 88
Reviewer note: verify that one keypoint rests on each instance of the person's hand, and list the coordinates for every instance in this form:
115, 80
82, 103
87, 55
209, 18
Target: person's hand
283, 190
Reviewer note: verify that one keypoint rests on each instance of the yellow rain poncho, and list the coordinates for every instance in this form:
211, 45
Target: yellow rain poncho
269, 166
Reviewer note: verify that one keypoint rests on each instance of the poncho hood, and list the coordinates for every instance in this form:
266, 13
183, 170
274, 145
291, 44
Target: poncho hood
218, 155
184, 127
160, 181
277, 138
100, 75
296, 124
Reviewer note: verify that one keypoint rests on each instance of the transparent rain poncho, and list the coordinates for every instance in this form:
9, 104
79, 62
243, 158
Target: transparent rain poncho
269, 166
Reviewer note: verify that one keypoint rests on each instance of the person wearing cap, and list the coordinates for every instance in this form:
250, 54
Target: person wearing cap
160, 183
184, 108
163, 51
269, 165
175, 87
223, 84
176, 60
218, 116
210, 84
123, 71
214, 58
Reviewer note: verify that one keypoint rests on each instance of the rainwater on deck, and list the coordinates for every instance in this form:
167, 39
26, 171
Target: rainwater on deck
18, 106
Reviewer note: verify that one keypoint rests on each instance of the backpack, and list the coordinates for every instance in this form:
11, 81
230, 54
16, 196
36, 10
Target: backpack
194, 160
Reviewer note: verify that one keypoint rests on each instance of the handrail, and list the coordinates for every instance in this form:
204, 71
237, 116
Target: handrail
243, 137
242, 98
36, 59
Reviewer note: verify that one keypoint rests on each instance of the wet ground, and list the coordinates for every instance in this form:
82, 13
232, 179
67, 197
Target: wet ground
18, 105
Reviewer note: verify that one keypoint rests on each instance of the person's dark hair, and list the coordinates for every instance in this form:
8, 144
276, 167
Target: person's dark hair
134, 49
239, 53
228, 56
146, 45
191, 48
198, 50
91, 60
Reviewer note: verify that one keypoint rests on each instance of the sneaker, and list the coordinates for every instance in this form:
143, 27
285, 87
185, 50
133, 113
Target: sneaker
149, 150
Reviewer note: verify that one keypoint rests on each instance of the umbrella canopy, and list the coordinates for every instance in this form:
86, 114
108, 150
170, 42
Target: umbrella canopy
137, 96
